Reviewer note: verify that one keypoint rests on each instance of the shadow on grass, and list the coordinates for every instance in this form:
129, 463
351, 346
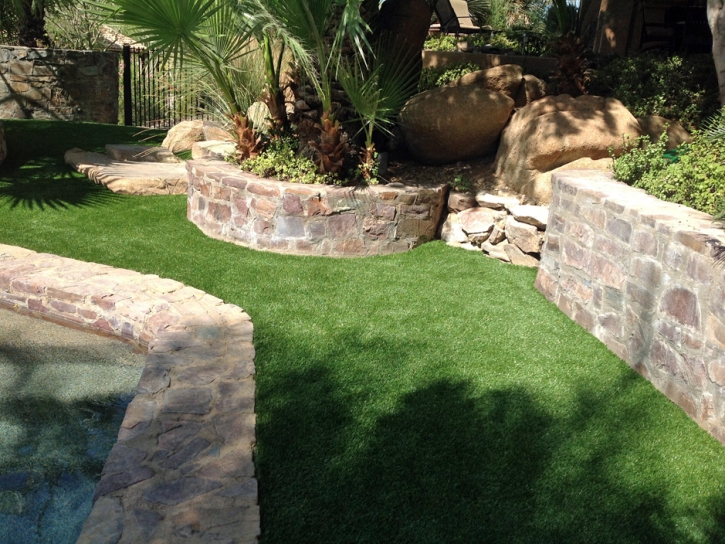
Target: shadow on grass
449, 463
46, 184
30, 180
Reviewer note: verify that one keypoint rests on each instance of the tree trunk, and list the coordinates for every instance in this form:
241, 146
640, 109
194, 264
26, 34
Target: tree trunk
408, 22
32, 27
716, 19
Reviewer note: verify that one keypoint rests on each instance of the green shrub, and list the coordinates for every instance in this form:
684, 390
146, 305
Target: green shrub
280, 161
440, 42
639, 158
696, 179
683, 89
430, 78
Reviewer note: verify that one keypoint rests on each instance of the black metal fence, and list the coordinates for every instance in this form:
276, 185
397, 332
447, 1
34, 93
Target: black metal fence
153, 95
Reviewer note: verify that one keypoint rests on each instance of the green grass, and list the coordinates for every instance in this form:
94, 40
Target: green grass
429, 397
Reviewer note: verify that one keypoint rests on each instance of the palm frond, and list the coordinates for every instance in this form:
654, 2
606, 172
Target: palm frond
714, 128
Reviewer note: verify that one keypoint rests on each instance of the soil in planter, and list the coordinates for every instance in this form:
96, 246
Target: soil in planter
63, 395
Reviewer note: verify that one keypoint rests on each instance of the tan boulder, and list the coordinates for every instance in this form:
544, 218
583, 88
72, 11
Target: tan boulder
654, 125
496, 251
555, 131
506, 79
531, 89
182, 136
451, 232
450, 124
140, 153
213, 149
542, 181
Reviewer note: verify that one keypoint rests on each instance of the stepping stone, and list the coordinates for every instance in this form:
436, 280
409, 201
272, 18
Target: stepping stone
130, 178
140, 153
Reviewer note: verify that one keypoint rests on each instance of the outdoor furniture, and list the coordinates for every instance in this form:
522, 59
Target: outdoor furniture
454, 18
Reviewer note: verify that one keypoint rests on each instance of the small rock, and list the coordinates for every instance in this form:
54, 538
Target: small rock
457, 202
497, 236
520, 258
479, 220
537, 216
213, 149
486, 200
478, 239
526, 237
452, 231
497, 252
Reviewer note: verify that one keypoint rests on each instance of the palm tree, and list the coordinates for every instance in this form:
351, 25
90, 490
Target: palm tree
23, 21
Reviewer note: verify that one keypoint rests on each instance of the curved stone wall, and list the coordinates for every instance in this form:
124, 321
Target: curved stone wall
642, 275
182, 467
240, 207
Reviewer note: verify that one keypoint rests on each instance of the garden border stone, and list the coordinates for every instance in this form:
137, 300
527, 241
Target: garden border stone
641, 275
240, 207
182, 467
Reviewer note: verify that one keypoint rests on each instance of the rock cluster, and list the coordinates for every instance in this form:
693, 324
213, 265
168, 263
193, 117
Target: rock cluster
464, 119
499, 226
555, 131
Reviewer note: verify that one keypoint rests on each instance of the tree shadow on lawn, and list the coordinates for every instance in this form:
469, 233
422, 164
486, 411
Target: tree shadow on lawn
447, 463
46, 184
34, 174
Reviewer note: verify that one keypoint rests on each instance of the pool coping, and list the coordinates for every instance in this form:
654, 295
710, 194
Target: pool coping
182, 466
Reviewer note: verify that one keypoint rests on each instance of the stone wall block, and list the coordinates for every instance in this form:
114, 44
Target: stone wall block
320, 220
645, 242
648, 286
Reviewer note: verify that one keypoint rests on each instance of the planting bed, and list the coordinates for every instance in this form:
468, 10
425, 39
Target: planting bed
240, 207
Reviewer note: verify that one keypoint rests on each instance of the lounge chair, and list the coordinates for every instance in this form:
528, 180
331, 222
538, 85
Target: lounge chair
454, 18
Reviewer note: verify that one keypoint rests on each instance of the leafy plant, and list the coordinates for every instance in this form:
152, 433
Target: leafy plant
696, 180
440, 42
640, 157
280, 160
461, 184
430, 78
378, 89
678, 88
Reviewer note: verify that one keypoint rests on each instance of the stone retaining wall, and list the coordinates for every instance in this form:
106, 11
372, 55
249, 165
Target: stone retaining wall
541, 67
240, 207
58, 84
641, 275
182, 467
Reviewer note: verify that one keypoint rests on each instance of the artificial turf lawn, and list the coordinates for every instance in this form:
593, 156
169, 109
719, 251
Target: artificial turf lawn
428, 397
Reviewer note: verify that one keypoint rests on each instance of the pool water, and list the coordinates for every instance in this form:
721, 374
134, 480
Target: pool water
63, 395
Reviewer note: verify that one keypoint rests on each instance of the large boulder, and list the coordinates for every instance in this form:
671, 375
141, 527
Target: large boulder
182, 136
555, 131
531, 89
505, 79
450, 124
654, 126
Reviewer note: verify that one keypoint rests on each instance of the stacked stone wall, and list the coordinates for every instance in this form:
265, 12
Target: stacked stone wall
58, 84
182, 466
243, 208
642, 275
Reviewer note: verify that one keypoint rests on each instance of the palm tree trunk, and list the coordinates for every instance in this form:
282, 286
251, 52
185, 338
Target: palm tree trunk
408, 22
32, 27
716, 19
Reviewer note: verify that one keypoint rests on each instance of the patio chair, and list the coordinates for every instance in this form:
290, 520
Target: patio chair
454, 18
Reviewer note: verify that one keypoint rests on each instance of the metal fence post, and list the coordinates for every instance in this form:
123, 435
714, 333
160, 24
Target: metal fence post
127, 98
